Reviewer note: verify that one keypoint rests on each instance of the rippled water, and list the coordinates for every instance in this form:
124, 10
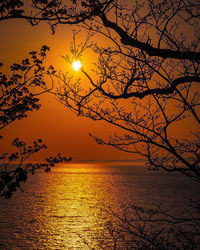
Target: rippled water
59, 210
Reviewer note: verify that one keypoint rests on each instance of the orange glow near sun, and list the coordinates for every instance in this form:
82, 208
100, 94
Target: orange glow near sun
77, 65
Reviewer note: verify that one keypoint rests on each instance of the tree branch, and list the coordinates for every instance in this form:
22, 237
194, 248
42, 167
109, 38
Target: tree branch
156, 91
152, 51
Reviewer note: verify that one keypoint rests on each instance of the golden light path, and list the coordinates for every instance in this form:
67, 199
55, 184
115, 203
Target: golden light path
77, 65
70, 211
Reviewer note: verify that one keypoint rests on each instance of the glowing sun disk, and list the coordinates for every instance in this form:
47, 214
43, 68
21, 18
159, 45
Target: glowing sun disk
77, 65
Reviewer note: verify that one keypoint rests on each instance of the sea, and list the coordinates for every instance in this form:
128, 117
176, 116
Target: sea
67, 208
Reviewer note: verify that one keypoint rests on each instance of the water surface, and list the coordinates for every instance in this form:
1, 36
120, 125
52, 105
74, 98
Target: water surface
58, 210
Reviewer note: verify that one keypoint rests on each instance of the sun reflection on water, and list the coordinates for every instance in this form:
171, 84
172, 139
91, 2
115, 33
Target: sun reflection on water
71, 208
62, 209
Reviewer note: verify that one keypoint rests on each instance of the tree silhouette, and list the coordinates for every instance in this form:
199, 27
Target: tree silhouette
52, 11
148, 81
146, 84
150, 228
17, 88
19, 95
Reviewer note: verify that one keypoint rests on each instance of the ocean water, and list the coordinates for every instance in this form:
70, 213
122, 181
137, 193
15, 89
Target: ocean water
63, 209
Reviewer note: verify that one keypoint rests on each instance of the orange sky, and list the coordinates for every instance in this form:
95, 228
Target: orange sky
59, 128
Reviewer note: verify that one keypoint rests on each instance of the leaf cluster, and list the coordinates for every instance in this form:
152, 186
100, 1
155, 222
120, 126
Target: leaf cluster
19, 90
20, 93
15, 171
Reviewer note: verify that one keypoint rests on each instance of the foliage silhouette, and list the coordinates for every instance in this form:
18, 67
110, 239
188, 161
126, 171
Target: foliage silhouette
146, 83
139, 228
13, 174
19, 95
17, 88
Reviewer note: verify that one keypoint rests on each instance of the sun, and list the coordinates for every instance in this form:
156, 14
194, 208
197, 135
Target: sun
77, 65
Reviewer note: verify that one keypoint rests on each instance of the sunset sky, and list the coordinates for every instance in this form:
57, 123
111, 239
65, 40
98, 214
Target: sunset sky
127, 77
60, 129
